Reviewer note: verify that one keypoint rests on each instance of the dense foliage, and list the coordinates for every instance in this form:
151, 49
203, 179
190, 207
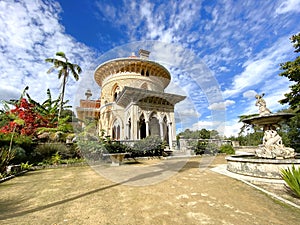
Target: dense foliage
227, 149
249, 139
23, 121
292, 72
199, 134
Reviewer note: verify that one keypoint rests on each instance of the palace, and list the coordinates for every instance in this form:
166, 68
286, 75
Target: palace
133, 104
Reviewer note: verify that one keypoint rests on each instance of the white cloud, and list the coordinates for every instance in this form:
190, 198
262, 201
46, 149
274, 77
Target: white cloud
202, 124
233, 129
30, 32
288, 6
260, 69
249, 94
221, 105
223, 69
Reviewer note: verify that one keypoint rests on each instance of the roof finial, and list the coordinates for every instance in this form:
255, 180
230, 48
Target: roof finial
144, 54
88, 94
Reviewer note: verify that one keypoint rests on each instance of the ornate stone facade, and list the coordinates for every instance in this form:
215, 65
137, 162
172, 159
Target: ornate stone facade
133, 104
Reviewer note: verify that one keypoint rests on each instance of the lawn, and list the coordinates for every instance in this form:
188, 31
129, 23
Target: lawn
79, 195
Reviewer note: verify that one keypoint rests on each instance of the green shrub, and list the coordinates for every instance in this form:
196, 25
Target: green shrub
204, 147
26, 166
5, 157
44, 151
115, 147
227, 149
20, 155
211, 149
149, 146
199, 147
292, 178
56, 158
22, 145
23, 141
90, 149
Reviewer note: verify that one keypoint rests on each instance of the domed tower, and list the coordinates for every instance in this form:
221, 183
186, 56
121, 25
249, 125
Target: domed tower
133, 102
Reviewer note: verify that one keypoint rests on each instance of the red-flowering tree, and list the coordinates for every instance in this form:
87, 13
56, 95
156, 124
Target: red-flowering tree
24, 119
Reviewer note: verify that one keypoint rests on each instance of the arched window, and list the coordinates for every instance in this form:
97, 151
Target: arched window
115, 96
116, 92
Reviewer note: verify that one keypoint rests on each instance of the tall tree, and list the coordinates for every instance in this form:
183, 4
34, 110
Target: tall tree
292, 72
64, 68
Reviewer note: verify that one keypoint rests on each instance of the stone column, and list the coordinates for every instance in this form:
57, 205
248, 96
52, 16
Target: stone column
147, 128
127, 135
161, 130
170, 135
134, 123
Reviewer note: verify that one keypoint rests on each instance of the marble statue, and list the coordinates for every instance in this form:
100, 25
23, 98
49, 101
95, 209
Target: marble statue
261, 103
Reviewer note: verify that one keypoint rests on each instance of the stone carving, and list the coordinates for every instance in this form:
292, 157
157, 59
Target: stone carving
261, 103
272, 146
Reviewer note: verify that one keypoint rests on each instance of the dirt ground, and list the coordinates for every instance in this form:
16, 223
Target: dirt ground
192, 195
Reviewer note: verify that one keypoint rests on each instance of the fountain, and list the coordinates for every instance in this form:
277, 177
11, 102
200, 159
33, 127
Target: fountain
271, 156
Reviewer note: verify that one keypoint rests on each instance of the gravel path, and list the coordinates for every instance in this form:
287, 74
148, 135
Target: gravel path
192, 195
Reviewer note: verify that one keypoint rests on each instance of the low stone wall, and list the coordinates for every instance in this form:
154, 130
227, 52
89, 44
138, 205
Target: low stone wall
187, 144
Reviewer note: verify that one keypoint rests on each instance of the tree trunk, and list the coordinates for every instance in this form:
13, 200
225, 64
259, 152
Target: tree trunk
62, 95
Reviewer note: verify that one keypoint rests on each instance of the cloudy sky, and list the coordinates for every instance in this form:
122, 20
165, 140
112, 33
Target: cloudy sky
220, 53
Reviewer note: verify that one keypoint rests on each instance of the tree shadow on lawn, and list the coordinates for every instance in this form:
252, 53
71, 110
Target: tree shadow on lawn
11, 207
179, 166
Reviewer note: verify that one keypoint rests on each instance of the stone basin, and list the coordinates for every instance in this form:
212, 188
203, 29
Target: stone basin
273, 118
116, 158
250, 165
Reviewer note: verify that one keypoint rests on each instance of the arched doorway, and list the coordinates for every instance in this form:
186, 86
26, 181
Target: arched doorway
142, 126
165, 130
154, 128
116, 130
129, 129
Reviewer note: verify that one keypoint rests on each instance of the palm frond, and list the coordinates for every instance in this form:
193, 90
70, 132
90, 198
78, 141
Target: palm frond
49, 60
51, 70
292, 178
61, 54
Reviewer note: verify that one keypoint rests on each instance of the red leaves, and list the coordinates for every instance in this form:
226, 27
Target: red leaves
25, 119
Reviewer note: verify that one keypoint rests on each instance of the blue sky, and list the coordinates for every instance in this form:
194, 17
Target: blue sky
237, 47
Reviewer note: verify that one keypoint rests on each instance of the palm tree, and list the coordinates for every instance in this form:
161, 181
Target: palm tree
64, 67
